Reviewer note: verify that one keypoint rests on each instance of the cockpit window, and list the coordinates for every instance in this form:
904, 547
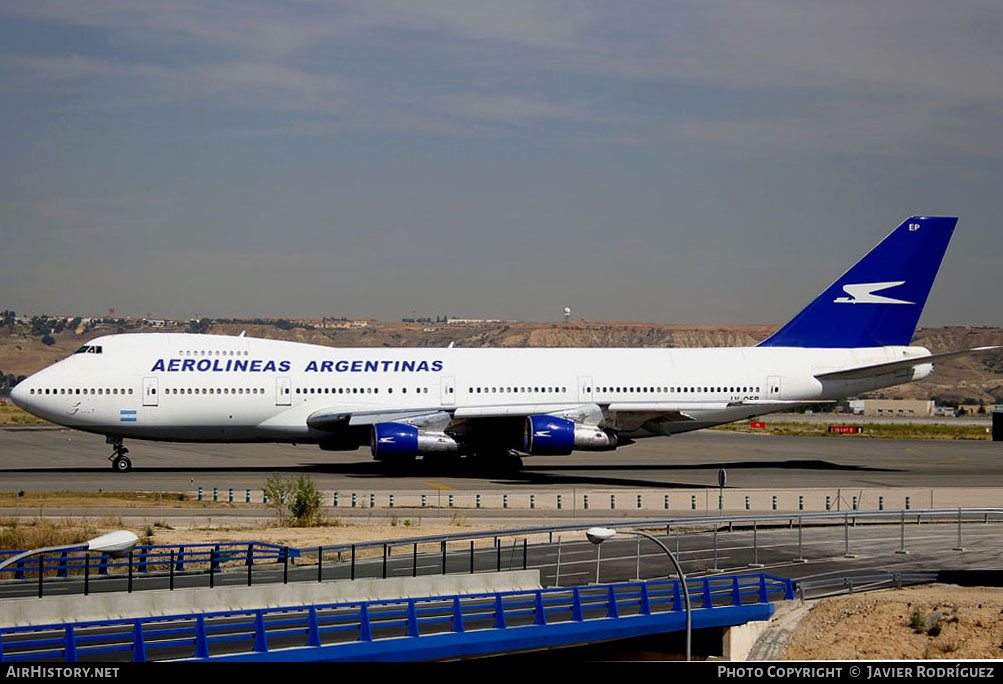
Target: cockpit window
89, 349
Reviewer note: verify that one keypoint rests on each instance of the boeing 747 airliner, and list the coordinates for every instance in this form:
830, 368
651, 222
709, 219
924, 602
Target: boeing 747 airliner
494, 403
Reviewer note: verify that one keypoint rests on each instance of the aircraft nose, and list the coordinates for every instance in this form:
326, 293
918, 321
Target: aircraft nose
18, 393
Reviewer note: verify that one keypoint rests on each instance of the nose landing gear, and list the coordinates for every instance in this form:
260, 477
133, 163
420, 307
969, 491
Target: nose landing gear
120, 463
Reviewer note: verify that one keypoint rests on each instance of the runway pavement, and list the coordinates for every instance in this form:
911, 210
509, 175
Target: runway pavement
58, 459
67, 459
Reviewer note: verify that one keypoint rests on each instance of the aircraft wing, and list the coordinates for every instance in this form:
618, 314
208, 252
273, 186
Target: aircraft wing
893, 366
616, 414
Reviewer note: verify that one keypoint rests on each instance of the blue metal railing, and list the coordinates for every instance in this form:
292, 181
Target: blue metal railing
401, 629
148, 559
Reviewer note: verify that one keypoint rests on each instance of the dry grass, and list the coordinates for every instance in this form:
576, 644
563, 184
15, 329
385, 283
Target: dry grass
871, 430
18, 534
40, 500
10, 414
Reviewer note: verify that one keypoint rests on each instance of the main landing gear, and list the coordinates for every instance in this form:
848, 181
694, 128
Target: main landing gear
120, 463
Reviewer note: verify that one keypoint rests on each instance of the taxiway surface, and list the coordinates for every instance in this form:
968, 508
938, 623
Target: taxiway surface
59, 459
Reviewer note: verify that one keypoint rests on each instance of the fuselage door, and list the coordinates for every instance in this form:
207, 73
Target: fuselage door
585, 388
283, 391
151, 395
773, 387
448, 390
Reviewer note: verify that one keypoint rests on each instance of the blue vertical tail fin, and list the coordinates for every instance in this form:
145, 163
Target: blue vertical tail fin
879, 300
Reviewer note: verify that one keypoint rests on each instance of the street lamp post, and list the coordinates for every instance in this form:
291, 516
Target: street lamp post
597, 535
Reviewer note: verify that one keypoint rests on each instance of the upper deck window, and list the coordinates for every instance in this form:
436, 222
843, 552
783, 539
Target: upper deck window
89, 349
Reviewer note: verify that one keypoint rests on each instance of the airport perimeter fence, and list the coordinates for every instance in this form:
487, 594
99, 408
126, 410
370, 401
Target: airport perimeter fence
704, 545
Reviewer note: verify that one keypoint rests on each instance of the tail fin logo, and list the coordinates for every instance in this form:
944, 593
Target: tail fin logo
863, 293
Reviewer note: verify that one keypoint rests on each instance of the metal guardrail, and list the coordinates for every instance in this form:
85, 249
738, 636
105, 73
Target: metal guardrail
821, 517
459, 553
144, 560
453, 624
849, 583
703, 524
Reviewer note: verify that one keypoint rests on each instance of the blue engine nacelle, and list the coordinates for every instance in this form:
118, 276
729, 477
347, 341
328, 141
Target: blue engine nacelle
400, 440
394, 440
553, 436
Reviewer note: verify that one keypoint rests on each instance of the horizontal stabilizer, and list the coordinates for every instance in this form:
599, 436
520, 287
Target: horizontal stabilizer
893, 366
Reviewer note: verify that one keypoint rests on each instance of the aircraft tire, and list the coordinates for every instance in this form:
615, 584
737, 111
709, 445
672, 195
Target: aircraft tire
121, 464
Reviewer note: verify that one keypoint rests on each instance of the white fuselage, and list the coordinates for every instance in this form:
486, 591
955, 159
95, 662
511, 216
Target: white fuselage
210, 388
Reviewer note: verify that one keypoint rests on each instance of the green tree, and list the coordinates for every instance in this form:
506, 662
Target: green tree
200, 326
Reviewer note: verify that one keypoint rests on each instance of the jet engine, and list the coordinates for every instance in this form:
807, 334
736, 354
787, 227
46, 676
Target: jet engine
396, 440
553, 436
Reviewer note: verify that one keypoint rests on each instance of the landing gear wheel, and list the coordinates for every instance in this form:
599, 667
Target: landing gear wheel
119, 462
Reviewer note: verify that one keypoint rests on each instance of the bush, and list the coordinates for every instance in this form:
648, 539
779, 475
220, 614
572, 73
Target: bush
299, 497
277, 490
306, 501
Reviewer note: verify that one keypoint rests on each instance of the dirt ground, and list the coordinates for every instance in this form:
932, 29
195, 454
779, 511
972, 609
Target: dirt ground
914, 623
310, 536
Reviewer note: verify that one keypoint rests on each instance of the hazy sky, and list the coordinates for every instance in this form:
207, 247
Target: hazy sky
660, 161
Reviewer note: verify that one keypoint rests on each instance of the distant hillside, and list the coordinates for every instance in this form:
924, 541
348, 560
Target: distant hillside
977, 378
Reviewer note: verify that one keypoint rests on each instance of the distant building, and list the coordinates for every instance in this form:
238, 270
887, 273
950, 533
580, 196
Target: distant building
906, 408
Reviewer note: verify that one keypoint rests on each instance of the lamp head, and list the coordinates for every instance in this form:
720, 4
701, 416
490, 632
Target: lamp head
115, 544
597, 535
